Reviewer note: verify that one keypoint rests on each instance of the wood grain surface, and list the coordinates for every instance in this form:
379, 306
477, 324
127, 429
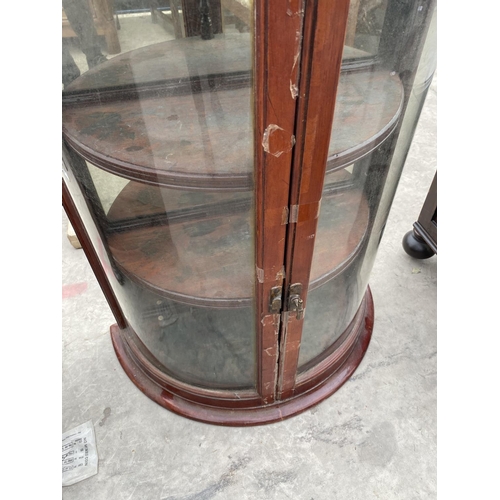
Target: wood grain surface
203, 138
210, 261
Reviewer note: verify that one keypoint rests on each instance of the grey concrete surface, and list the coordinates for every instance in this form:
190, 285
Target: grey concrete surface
373, 439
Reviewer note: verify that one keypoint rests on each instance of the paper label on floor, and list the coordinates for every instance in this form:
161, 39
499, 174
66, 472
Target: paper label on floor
79, 454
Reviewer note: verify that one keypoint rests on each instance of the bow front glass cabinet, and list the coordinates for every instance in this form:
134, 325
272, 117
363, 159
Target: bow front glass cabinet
230, 185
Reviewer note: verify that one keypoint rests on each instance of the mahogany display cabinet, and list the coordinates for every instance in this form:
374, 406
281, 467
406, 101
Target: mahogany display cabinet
230, 189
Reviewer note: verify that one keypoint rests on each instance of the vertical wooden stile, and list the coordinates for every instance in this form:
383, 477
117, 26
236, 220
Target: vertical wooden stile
322, 48
278, 35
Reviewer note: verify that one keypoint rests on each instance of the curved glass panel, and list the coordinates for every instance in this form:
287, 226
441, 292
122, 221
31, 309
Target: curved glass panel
384, 103
364, 26
158, 123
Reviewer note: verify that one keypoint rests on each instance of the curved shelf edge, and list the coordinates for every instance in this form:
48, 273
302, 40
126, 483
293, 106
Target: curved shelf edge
175, 180
188, 299
178, 180
345, 158
225, 181
228, 302
237, 416
325, 278
171, 289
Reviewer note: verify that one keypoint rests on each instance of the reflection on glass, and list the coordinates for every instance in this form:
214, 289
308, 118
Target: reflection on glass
421, 85
83, 22
333, 297
370, 107
161, 138
364, 27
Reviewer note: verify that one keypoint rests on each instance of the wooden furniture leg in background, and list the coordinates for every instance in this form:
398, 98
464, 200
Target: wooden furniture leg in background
105, 18
90, 19
240, 10
421, 242
158, 16
72, 237
352, 22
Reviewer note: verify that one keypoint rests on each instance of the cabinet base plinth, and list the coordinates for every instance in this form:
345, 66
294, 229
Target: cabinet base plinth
137, 368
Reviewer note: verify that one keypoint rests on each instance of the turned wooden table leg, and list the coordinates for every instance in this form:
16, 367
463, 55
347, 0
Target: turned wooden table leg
421, 242
104, 10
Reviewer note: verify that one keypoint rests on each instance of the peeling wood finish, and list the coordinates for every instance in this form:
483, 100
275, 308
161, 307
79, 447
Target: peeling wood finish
324, 32
277, 141
275, 34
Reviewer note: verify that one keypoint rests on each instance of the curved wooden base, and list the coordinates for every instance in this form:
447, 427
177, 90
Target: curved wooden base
351, 352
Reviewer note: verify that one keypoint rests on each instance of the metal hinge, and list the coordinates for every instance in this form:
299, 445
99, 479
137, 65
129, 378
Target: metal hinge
275, 300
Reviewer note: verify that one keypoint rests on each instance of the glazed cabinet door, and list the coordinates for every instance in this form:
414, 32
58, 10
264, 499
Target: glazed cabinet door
359, 94
279, 28
177, 165
224, 174
323, 42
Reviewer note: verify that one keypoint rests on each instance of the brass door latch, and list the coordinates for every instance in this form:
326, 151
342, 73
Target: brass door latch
295, 302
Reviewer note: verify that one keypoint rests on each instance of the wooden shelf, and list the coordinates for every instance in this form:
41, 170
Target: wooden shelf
209, 261
173, 61
179, 114
367, 110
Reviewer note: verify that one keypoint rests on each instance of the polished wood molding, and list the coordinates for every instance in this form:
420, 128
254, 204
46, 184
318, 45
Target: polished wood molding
244, 408
91, 254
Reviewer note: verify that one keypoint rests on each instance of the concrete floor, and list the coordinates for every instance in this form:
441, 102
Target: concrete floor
373, 439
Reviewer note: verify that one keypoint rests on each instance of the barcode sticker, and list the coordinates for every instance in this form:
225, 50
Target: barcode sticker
79, 454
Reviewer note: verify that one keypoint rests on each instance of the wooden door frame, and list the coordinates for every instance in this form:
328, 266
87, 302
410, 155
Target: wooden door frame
325, 26
278, 34
324, 32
